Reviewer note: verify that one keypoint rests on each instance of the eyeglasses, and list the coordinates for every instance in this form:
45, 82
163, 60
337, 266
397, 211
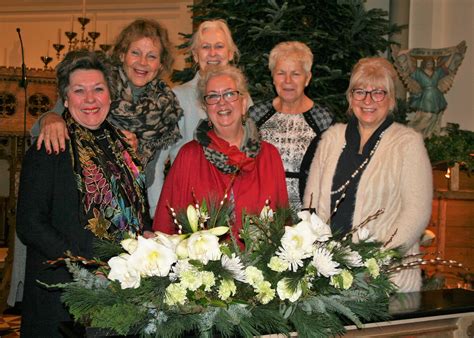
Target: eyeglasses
377, 95
230, 96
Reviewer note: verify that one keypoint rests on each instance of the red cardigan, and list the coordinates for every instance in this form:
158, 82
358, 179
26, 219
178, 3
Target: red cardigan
191, 170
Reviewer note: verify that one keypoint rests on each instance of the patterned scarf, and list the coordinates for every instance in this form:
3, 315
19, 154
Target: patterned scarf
229, 159
109, 179
153, 117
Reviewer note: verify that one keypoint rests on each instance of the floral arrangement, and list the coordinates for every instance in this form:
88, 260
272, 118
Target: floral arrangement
202, 281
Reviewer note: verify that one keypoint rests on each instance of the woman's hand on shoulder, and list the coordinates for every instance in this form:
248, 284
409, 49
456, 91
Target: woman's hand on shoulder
53, 132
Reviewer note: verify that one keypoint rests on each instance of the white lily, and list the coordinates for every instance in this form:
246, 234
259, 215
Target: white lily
285, 292
152, 258
122, 271
129, 244
203, 246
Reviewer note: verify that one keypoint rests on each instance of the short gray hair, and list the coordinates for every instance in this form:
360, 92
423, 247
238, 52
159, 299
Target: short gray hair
295, 50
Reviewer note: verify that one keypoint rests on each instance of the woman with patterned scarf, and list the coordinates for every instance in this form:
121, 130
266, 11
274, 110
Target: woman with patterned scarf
95, 188
227, 156
144, 104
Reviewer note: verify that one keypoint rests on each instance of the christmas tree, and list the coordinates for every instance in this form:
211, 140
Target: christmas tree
338, 32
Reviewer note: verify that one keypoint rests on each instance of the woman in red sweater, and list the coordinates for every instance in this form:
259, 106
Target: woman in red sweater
226, 155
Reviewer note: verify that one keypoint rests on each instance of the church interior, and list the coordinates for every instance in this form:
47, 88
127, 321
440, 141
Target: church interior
34, 40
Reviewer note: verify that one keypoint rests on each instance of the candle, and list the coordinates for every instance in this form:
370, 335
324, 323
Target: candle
59, 36
72, 23
47, 48
95, 22
83, 8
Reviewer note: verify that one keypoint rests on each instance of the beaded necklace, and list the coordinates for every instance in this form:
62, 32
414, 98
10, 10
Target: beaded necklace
342, 189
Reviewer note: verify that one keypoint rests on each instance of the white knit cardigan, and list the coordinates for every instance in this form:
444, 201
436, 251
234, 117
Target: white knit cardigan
397, 179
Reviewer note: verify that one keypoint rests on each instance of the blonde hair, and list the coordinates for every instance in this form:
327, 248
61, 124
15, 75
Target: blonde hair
376, 72
228, 70
215, 24
294, 50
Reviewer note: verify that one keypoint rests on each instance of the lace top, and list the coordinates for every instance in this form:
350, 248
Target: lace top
291, 135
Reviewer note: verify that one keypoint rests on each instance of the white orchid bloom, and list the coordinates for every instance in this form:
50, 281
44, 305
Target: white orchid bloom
204, 246
152, 258
122, 271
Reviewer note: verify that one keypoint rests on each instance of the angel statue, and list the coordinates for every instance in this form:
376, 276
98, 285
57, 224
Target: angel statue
428, 74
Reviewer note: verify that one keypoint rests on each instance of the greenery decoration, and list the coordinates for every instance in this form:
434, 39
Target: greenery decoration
286, 278
451, 146
338, 32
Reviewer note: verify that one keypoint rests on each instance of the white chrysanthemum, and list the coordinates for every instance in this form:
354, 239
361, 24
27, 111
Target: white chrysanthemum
264, 291
175, 294
204, 247
253, 275
296, 245
122, 271
129, 244
277, 264
234, 266
285, 292
208, 280
151, 258
227, 288
181, 266
322, 261
191, 280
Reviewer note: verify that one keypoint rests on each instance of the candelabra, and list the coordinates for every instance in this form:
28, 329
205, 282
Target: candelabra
46, 60
85, 40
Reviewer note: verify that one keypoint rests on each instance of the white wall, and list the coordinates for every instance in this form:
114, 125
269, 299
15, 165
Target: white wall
445, 23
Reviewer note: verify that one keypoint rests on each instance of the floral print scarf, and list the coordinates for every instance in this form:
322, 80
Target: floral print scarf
229, 159
153, 117
109, 179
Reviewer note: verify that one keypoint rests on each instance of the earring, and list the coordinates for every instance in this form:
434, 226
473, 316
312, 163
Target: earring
209, 124
244, 119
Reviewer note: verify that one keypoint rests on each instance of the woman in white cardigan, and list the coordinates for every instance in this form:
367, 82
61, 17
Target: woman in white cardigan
373, 163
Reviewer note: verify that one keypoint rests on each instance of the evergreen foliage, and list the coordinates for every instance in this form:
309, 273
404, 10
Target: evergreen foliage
338, 32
